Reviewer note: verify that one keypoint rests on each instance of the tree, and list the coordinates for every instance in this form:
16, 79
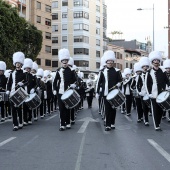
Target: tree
14, 37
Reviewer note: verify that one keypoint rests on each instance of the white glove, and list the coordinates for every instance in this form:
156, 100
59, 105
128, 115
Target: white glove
168, 88
38, 88
20, 84
45, 95
150, 96
118, 84
7, 92
97, 96
54, 92
72, 86
32, 91
140, 93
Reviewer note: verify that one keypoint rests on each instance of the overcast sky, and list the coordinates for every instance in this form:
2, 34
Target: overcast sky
123, 16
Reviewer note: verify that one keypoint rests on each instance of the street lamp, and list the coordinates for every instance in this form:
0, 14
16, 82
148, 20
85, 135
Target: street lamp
140, 9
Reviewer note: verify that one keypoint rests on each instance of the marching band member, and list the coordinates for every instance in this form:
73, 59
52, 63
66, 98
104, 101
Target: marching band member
17, 79
3, 81
54, 98
166, 66
109, 78
65, 78
89, 93
7, 103
156, 82
48, 83
30, 88
138, 72
127, 91
41, 91
145, 64
123, 108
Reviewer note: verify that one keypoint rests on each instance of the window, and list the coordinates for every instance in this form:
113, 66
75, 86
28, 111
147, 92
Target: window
81, 3
97, 8
104, 23
64, 27
54, 28
81, 63
38, 61
98, 31
47, 8
48, 49
38, 19
81, 51
84, 39
48, 35
98, 19
64, 39
54, 51
98, 42
97, 65
48, 22
38, 5
81, 27
55, 4
54, 16
54, 63
81, 14
126, 65
65, 3
54, 39
47, 62
64, 15
97, 53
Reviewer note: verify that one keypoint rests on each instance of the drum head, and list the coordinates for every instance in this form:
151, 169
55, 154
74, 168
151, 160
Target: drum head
145, 97
162, 97
112, 94
31, 96
67, 94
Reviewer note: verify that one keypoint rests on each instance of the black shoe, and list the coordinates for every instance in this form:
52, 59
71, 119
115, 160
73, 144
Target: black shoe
62, 128
139, 120
107, 128
158, 129
15, 128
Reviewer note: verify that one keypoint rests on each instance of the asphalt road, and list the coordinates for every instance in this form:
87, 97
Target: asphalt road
86, 146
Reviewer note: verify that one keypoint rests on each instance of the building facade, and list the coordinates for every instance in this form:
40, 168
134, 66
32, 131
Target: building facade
80, 26
168, 29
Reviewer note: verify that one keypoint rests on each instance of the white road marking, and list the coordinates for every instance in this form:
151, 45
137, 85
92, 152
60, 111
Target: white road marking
165, 154
128, 118
78, 162
51, 117
6, 141
8, 120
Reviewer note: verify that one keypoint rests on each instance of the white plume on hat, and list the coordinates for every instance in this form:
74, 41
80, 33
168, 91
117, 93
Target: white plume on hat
2, 65
35, 66
137, 67
18, 57
109, 55
40, 72
7, 73
127, 71
28, 63
71, 62
144, 61
63, 54
155, 55
166, 63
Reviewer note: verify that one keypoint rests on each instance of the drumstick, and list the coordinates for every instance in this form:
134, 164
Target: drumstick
16, 85
114, 86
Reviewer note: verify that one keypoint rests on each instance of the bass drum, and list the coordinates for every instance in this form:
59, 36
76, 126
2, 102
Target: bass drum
70, 98
163, 100
115, 98
33, 101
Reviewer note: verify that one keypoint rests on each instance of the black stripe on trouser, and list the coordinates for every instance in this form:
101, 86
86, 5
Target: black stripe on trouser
2, 109
139, 107
157, 113
128, 103
64, 112
146, 110
110, 113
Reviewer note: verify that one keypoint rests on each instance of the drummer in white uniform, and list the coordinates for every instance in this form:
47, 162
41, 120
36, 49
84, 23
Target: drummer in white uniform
108, 78
65, 78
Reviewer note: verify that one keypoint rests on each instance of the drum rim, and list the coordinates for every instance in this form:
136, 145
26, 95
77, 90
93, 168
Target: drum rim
162, 94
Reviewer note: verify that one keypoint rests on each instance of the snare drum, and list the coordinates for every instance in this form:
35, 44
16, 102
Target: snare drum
135, 93
115, 98
33, 101
147, 100
163, 100
18, 97
3, 96
70, 98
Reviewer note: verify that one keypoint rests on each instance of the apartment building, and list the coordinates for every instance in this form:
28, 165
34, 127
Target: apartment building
168, 29
80, 26
38, 12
